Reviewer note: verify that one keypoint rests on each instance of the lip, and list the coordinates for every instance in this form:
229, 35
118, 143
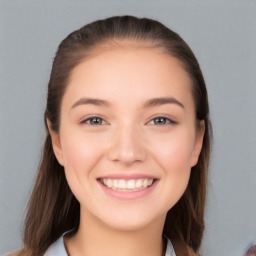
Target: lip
128, 176
127, 195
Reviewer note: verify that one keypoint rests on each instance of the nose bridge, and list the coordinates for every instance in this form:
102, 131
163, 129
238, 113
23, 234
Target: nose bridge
126, 144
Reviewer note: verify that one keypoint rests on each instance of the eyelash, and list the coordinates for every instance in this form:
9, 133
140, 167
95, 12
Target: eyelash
90, 119
167, 121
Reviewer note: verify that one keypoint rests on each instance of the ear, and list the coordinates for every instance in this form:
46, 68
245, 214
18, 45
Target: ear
198, 143
56, 145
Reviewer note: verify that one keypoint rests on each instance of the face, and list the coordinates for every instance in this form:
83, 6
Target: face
127, 137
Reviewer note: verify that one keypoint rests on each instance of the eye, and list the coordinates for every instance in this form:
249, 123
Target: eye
161, 120
94, 120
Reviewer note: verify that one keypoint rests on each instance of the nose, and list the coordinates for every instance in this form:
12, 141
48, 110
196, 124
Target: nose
127, 146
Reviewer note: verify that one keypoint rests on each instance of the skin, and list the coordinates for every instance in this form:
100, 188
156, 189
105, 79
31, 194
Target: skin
129, 139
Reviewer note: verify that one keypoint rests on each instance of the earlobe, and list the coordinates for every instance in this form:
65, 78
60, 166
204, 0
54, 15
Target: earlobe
56, 145
198, 144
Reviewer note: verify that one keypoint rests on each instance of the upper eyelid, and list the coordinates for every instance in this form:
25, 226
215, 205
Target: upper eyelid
172, 121
84, 119
170, 118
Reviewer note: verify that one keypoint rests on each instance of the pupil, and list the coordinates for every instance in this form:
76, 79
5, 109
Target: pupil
96, 120
160, 121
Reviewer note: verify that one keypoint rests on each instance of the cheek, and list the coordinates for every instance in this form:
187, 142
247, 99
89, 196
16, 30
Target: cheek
80, 155
174, 156
80, 152
174, 152
177, 168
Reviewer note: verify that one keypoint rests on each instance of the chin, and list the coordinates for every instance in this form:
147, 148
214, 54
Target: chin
130, 220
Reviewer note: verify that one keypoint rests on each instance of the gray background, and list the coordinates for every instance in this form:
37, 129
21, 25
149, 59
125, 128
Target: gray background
223, 36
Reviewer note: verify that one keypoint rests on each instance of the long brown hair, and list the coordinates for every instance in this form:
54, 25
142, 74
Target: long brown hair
52, 208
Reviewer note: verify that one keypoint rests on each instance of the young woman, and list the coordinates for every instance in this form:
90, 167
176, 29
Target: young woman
124, 166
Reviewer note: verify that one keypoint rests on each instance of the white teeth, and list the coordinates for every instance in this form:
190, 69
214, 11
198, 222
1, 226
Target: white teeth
121, 184
109, 183
150, 181
138, 183
130, 184
127, 185
115, 183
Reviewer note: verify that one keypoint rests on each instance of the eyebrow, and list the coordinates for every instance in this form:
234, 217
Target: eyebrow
87, 101
161, 101
149, 103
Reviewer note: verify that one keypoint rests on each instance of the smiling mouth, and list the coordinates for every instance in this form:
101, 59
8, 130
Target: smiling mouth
127, 185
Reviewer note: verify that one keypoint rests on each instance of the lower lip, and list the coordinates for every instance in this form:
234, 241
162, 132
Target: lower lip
126, 195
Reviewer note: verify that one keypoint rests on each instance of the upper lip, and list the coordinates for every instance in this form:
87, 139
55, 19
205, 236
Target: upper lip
128, 176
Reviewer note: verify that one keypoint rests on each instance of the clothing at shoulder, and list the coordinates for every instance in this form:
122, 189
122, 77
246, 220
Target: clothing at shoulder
58, 249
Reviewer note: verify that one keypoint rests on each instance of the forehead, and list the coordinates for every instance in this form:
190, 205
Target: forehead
138, 71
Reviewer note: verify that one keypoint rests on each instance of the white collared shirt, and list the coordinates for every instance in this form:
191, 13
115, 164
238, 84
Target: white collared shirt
58, 248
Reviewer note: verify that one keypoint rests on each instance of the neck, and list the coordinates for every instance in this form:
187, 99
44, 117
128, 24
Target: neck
95, 238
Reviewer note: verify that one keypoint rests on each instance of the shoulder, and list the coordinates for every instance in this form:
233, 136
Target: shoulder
20, 252
57, 248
